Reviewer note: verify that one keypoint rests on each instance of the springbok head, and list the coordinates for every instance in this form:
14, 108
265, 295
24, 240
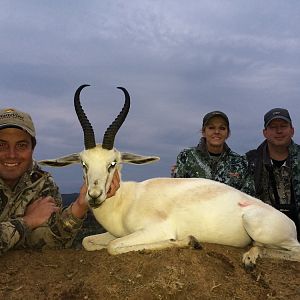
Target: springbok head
99, 161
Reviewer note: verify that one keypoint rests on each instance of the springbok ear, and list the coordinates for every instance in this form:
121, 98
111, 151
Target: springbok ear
137, 159
61, 161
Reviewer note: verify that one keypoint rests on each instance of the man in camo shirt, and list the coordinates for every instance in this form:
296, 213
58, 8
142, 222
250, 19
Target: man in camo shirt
213, 159
31, 213
275, 165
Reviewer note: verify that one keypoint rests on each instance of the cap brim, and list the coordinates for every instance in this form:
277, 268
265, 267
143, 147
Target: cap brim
17, 126
216, 115
278, 117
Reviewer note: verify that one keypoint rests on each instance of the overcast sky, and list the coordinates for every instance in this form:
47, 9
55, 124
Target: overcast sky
178, 60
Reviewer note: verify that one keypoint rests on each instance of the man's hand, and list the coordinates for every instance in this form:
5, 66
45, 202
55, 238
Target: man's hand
114, 186
173, 171
40, 211
80, 206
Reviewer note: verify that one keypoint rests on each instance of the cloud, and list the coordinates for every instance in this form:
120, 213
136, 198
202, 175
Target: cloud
178, 61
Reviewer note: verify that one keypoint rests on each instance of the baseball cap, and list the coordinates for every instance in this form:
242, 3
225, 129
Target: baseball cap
277, 113
212, 114
11, 117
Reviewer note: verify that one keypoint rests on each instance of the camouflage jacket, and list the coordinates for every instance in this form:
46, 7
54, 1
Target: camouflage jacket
58, 232
283, 181
229, 168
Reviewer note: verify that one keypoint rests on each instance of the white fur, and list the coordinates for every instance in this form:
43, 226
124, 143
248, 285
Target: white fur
166, 212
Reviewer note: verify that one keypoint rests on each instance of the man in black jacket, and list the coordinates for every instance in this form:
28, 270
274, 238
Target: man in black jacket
275, 165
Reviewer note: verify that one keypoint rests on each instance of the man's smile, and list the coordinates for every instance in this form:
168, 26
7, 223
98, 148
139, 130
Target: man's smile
10, 165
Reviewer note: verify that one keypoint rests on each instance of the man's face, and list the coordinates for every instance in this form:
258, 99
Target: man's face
279, 132
15, 154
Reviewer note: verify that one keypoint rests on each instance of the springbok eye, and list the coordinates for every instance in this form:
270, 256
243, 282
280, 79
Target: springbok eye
112, 165
84, 165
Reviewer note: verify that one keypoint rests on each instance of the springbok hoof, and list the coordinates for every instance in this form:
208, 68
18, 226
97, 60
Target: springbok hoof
194, 243
250, 257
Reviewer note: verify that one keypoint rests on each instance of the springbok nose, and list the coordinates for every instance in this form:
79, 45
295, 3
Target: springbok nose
94, 194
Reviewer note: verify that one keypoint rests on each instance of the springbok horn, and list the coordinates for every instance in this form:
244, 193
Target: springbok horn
89, 136
111, 131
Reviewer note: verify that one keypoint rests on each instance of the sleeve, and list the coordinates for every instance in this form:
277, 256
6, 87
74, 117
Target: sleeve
62, 227
12, 234
247, 182
295, 162
182, 168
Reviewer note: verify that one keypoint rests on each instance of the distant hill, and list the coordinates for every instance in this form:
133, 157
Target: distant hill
69, 198
90, 225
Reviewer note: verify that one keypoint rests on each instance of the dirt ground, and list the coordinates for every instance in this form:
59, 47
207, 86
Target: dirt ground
215, 272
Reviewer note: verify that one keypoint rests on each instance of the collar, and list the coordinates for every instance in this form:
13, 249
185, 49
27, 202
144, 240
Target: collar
263, 147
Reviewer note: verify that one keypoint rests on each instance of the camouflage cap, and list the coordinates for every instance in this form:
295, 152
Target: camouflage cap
277, 113
11, 117
215, 113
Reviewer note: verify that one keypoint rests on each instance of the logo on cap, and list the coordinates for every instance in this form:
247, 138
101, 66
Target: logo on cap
11, 117
277, 113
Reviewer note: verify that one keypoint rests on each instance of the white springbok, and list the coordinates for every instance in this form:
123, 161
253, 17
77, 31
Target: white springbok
166, 212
